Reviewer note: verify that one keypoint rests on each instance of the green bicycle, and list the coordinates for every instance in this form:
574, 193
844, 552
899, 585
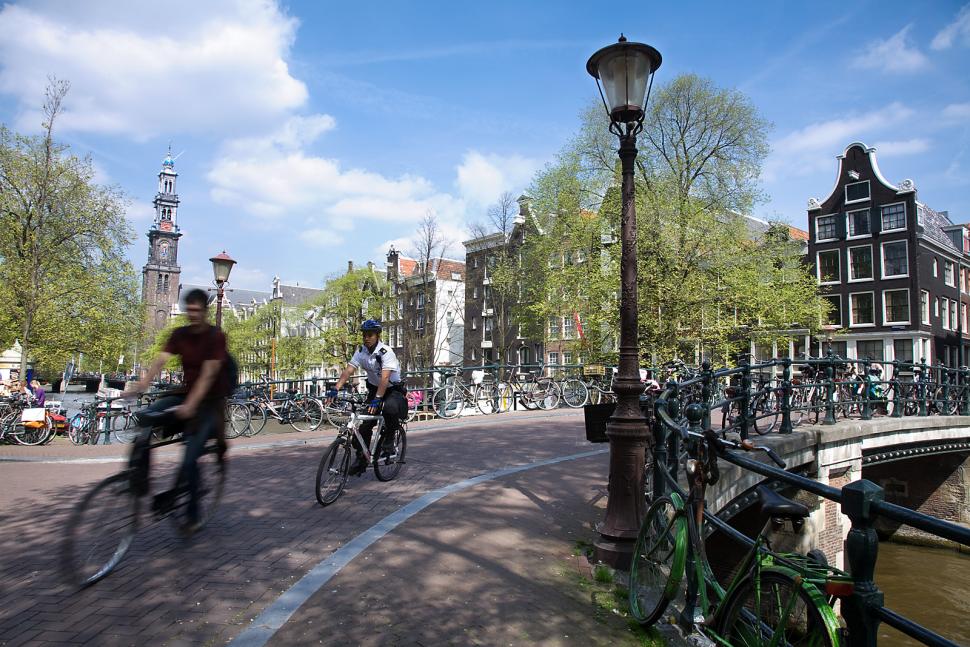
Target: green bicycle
773, 599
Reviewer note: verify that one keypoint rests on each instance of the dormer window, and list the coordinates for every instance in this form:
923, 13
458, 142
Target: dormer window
857, 192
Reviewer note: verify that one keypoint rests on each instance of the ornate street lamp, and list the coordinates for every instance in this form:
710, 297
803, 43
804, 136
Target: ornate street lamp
624, 74
221, 267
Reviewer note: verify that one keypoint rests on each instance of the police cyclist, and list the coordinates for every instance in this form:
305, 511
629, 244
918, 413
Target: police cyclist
385, 391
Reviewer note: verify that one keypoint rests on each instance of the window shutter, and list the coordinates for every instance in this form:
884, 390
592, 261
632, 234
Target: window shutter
875, 220
840, 225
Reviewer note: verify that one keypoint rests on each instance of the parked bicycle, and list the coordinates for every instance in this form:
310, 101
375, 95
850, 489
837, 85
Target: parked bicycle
300, 411
772, 599
104, 523
532, 390
450, 400
335, 463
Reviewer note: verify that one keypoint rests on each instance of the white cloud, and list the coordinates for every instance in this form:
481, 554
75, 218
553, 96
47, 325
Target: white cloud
140, 211
483, 178
957, 31
219, 64
895, 54
959, 112
903, 147
811, 149
275, 179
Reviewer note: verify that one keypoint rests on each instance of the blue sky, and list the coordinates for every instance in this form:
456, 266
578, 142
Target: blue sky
313, 133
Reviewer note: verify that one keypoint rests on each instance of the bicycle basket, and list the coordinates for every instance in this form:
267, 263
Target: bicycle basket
594, 369
478, 377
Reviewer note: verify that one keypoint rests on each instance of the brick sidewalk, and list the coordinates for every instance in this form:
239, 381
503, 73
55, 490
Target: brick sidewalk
270, 532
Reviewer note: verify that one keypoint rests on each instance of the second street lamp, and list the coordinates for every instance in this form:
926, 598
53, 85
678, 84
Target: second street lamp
221, 267
624, 74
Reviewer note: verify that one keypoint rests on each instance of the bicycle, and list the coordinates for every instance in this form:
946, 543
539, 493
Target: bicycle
102, 527
450, 400
773, 598
534, 392
598, 386
764, 406
99, 418
300, 411
574, 391
334, 468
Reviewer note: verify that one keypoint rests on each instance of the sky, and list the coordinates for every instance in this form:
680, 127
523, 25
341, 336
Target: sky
309, 134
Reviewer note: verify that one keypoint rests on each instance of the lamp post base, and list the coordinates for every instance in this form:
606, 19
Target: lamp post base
615, 553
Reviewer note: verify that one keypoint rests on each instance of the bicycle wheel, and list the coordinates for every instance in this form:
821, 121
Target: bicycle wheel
386, 467
505, 397
78, 429
546, 394
574, 393
123, 429
257, 419
333, 470
777, 610
237, 419
306, 415
658, 562
487, 398
25, 435
447, 402
100, 531
765, 412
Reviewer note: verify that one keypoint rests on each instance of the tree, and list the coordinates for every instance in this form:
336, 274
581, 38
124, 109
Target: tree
708, 278
345, 302
429, 247
64, 278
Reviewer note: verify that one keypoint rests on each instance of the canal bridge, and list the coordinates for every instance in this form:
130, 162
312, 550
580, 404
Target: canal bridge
922, 463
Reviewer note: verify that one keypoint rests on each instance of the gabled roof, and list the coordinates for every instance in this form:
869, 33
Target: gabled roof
295, 295
441, 267
235, 296
934, 224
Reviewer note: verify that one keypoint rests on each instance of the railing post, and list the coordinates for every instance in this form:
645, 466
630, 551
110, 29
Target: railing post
707, 377
945, 380
866, 402
744, 405
786, 393
829, 390
898, 403
673, 410
923, 390
965, 400
861, 550
659, 449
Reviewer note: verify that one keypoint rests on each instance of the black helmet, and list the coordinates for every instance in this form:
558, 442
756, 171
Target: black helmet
371, 325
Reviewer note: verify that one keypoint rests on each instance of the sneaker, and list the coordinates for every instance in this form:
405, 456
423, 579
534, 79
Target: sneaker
359, 466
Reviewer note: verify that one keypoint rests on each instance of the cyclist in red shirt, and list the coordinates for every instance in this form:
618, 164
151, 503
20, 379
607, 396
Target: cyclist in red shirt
202, 348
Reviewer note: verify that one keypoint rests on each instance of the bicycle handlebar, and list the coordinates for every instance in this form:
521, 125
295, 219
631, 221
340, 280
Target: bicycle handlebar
721, 445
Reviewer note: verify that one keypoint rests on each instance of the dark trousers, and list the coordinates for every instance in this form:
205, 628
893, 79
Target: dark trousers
394, 409
195, 433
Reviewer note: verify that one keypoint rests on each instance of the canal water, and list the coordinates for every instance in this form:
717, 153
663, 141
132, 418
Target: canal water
930, 586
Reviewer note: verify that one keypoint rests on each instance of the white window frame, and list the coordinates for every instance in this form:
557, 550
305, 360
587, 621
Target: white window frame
841, 310
936, 268
882, 259
845, 192
954, 314
963, 316
853, 324
924, 307
849, 265
553, 358
936, 307
882, 223
818, 266
909, 308
848, 225
953, 270
945, 313
835, 219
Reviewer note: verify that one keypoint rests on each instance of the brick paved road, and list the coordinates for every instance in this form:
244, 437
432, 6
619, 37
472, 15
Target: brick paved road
268, 533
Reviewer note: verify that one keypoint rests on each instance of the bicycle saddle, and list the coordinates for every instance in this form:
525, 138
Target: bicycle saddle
775, 505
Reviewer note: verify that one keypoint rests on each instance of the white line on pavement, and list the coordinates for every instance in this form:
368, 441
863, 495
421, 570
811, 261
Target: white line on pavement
267, 623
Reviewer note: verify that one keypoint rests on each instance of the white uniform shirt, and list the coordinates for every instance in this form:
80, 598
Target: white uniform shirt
382, 359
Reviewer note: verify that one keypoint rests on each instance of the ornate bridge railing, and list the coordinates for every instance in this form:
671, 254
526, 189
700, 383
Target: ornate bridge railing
688, 406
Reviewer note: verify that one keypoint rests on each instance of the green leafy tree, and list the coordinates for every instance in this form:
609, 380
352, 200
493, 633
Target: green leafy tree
707, 278
64, 280
345, 302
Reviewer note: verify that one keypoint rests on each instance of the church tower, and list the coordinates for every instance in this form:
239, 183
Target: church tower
160, 276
